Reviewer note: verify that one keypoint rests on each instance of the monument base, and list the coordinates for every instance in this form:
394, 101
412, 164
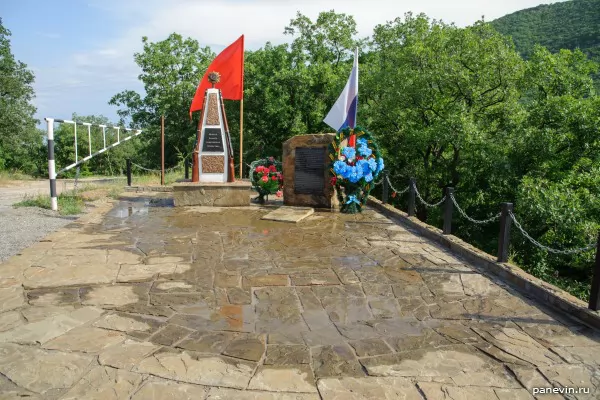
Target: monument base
221, 194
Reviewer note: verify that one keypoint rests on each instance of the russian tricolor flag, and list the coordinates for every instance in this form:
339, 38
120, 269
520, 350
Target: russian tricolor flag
343, 112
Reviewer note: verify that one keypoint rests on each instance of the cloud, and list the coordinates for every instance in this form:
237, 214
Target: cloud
220, 22
90, 77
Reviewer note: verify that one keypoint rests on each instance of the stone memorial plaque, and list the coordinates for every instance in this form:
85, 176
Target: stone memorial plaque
212, 140
309, 170
305, 171
212, 115
213, 164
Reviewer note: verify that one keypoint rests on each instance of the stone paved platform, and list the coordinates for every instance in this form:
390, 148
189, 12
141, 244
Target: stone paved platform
140, 300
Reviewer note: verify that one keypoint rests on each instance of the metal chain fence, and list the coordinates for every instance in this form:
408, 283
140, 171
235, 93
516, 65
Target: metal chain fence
475, 221
491, 219
546, 248
426, 203
398, 192
154, 170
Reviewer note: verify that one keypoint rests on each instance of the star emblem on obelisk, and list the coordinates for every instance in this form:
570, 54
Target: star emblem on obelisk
214, 78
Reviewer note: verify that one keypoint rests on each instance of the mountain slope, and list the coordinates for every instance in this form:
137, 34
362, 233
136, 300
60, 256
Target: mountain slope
565, 25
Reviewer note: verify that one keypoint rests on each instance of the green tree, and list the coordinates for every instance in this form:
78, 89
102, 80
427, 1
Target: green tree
269, 111
443, 101
171, 70
321, 57
459, 107
20, 141
563, 73
290, 88
558, 157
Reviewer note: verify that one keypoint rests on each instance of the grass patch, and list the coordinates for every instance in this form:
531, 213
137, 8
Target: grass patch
40, 201
69, 203
153, 178
7, 177
115, 191
93, 192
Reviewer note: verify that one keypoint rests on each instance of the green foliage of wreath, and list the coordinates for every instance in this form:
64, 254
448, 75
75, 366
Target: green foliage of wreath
353, 195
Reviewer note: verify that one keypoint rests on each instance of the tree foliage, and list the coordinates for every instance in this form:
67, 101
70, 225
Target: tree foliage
289, 88
448, 107
558, 154
20, 141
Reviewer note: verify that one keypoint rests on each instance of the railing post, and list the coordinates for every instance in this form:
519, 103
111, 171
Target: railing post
595, 292
411, 197
384, 191
187, 168
448, 208
51, 165
128, 172
504, 238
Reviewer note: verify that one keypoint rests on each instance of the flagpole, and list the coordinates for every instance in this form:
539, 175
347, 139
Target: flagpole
241, 133
162, 150
242, 115
352, 138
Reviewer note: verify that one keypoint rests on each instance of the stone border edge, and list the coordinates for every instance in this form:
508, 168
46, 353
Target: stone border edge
525, 283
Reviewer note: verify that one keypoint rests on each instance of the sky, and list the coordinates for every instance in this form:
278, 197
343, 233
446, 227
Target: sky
81, 51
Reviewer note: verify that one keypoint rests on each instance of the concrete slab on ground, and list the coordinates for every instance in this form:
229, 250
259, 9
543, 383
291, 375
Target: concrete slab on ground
289, 214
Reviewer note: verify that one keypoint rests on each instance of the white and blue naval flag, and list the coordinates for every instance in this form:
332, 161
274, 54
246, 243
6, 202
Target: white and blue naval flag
343, 112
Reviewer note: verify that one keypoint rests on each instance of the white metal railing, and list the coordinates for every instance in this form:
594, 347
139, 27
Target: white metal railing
51, 161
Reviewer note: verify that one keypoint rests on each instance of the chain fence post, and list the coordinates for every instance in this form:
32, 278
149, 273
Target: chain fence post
595, 291
384, 190
448, 209
411, 197
504, 238
128, 172
187, 168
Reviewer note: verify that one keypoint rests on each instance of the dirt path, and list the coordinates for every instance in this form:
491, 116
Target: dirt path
21, 227
15, 191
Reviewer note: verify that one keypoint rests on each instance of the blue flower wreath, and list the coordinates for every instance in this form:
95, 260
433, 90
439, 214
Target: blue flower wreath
354, 169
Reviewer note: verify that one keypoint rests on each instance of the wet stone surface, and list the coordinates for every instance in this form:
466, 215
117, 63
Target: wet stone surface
142, 300
287, 355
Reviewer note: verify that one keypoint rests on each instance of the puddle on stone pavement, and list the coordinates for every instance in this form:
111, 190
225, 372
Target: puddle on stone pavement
227, 272
126, 211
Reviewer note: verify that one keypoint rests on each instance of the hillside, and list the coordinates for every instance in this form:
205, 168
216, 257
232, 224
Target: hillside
564, 25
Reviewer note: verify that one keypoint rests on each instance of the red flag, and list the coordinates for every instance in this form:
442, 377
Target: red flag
230, 64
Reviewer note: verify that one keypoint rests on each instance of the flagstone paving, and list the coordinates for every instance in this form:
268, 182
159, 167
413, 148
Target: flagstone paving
140, 300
